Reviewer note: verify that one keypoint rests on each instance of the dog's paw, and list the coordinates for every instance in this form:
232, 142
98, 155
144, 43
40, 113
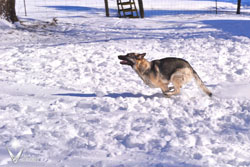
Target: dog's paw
167, 95
171, 88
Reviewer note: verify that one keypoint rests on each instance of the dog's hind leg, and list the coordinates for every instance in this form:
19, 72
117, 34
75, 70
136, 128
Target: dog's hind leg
177, 80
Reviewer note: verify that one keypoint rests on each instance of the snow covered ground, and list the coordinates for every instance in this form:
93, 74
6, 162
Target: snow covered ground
66, 100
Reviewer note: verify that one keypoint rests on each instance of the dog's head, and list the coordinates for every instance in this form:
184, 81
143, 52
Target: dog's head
131, 58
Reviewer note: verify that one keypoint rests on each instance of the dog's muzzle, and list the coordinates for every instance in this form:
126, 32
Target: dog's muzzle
125, 60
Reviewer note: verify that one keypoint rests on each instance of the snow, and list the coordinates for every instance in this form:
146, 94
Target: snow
67, 101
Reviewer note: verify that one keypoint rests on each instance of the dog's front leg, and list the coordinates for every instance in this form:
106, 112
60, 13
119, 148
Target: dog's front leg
168, 92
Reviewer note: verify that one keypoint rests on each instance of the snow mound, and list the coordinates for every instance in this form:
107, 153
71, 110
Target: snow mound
234, 90
66, 100
4, 24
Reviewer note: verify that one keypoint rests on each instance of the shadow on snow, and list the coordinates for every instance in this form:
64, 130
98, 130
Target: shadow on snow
80, 9
148, 12
111, 95
233, 27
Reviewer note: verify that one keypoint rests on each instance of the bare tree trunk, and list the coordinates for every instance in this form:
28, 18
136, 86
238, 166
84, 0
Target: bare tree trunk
8, 11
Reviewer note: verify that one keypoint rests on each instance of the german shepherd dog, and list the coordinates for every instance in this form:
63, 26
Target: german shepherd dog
159, 73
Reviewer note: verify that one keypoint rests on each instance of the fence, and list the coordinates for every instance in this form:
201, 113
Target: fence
46, 9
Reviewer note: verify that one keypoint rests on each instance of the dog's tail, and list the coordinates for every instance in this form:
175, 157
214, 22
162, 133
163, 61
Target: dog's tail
201, 84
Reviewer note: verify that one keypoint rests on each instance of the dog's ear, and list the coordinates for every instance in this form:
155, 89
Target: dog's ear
141, 56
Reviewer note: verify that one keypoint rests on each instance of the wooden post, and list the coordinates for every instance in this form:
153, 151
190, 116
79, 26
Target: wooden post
216, 6
141, 8
24, 3
238, 7
106, 7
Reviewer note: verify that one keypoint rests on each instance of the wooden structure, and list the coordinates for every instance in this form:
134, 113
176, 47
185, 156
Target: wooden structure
127, 8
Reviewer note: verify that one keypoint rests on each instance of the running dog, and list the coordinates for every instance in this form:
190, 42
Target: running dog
159, 73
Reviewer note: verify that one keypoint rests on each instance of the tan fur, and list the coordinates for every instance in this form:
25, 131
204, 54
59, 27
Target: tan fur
178, 79
142, 68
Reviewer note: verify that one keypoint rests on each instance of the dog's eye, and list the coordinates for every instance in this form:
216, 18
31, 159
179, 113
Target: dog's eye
136, 57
